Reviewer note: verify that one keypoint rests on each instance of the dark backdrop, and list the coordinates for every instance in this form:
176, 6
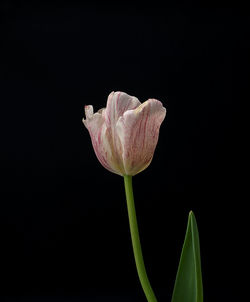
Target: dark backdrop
63, 221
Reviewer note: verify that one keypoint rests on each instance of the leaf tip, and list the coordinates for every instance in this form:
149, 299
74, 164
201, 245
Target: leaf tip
191, 214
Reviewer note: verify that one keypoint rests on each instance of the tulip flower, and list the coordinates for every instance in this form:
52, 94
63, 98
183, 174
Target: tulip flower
125, 133
124, 136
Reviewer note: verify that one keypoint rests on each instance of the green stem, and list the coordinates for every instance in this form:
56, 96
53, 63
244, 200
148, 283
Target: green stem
136, 241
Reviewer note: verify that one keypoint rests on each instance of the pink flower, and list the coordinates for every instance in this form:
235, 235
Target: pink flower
125, 133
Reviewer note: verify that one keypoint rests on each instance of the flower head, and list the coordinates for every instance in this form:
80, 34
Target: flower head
125, 133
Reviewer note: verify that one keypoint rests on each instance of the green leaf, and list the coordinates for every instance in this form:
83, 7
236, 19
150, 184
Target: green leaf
188, 283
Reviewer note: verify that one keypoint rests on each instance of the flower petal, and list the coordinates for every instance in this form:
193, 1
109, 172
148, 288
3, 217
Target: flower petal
138, 131
101, 138
119, 102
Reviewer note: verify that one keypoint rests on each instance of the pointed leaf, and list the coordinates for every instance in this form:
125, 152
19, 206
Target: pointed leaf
188, 283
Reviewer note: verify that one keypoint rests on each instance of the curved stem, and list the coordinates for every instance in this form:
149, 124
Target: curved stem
136, 241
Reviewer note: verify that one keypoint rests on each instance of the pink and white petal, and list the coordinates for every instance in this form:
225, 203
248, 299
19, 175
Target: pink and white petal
119, 102
104, 152
138, 131
89, 111
100, 138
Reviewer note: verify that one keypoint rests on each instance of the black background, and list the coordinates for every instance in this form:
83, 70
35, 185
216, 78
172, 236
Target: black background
63, 221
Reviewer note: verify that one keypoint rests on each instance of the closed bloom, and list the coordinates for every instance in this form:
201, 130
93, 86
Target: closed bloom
125, 133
